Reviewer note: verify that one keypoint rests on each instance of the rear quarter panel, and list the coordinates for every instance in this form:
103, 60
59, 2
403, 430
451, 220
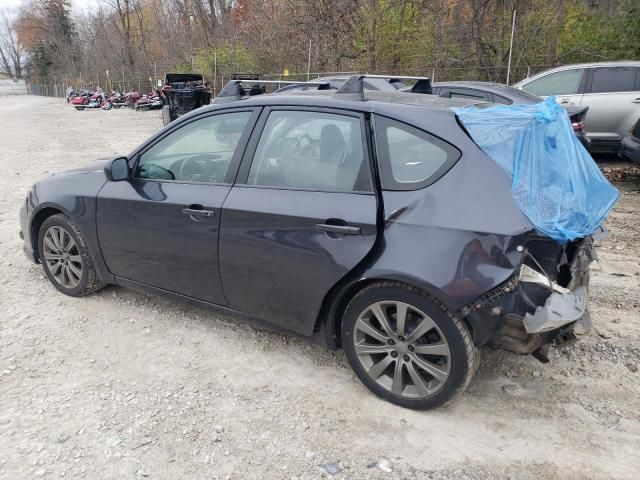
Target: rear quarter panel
456, 236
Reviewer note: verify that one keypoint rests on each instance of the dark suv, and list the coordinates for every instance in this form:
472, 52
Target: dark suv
182, 93
366, 220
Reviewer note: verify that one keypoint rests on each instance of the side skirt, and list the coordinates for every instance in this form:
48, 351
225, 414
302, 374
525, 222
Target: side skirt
254, 322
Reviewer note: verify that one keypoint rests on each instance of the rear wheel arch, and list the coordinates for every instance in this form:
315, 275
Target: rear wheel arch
336, 303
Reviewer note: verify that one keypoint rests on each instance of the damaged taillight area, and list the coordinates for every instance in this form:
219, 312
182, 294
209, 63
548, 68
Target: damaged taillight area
545, 302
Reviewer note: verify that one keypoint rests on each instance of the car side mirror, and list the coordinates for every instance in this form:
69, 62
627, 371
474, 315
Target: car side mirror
117, 169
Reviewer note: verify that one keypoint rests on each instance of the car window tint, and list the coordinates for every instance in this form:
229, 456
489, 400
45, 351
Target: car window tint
565, 82
468, 94
310, 150
199, 151
500, 99
410, 157
613, 79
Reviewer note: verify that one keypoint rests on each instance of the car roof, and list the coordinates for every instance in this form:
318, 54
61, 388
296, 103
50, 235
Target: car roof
382, 84
616, 63
494, 87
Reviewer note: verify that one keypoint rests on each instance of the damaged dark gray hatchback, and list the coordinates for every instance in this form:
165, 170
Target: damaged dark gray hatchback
368, 221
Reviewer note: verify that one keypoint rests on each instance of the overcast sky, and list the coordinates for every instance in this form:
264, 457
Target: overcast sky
78, 5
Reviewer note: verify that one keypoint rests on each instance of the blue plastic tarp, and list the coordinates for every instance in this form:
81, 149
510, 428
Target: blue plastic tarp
555, 181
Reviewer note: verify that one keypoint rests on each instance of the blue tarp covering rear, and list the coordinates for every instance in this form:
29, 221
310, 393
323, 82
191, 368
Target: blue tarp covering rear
556, 183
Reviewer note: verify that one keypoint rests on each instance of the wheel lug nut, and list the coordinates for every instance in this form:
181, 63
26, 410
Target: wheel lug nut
391, 342
405, 358
401, 338
411, 349
394, 354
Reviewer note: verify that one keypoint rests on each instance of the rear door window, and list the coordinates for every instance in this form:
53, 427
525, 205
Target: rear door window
565, 82
410, 158
310, 150
613, 79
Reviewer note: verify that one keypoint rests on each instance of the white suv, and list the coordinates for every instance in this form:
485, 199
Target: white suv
611, 91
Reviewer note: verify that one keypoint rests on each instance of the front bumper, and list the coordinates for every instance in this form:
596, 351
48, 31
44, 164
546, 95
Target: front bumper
629, 149
25, 233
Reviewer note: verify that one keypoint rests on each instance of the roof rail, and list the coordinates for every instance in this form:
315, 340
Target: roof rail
234, 90
353, 87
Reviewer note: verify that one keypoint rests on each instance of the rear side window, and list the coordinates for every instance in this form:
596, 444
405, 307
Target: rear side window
613, 79
500, 99
565, 82
410, 158
468, 94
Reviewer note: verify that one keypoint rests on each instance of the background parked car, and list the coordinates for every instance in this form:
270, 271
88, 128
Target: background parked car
390, 84
611, 91
499, 93
630, 145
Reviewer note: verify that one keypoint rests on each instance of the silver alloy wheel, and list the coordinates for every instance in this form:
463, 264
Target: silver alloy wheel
62, 257
402, 349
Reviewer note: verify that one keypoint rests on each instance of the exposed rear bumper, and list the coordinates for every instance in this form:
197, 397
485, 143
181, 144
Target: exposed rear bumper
533, 310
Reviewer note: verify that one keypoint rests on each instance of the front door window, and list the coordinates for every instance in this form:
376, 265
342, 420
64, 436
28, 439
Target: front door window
200, 151
565, 82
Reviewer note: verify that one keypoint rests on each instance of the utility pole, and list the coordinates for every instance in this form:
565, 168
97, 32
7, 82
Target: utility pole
513, 27
309, 61
215, 70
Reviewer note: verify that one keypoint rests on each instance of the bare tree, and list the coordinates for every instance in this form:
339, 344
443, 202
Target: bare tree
11, 50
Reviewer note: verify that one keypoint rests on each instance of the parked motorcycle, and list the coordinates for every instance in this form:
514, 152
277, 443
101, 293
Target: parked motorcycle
97, 100
118, 99
151, 101
132, 97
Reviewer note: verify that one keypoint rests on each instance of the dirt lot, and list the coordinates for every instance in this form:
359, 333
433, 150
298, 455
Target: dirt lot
121, 386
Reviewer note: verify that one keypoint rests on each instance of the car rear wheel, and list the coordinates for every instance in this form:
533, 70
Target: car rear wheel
65, 258
406, 348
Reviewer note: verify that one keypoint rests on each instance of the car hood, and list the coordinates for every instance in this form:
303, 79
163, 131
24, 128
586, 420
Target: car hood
93, 167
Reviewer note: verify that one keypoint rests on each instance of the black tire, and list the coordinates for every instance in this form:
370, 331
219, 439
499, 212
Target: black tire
79, 107
88, 281
462, 361
166, 115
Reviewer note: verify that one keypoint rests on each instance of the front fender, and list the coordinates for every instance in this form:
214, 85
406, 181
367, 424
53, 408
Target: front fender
75, 196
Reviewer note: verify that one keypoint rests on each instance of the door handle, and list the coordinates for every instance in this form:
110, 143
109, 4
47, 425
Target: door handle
341, 229
637, 100
197, 211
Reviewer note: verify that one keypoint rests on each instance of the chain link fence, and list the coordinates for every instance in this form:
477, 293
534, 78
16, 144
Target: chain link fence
216, 82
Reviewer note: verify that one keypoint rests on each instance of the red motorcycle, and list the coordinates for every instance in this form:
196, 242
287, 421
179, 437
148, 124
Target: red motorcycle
132, 98
97, 100
151, 101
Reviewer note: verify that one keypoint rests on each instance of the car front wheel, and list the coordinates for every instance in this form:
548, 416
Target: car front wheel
65, 257
406, 348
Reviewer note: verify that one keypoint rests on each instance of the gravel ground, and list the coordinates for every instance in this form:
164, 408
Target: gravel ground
120, 385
